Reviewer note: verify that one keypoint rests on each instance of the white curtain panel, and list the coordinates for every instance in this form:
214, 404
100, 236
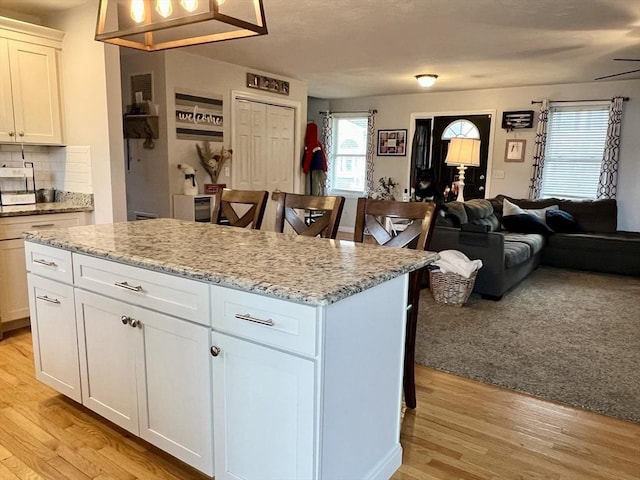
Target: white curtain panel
609, 167
371, 146
327, 137
539, 149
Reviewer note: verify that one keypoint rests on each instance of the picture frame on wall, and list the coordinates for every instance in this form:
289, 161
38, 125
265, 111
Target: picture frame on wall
514, 150
392, 143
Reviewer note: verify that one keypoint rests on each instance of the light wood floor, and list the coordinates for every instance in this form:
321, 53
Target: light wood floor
461, 430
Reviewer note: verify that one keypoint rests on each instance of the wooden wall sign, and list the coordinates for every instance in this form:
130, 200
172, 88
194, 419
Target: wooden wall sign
517, 119
267, 83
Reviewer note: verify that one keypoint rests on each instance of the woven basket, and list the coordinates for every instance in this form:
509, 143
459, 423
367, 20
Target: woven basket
451, 288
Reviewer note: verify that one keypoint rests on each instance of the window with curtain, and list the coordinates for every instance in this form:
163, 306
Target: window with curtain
576, 137
348, 162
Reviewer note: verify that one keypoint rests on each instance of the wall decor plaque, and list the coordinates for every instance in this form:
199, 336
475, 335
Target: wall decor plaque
269, 84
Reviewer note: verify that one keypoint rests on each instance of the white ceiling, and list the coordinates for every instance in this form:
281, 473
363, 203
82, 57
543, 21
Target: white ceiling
351, 48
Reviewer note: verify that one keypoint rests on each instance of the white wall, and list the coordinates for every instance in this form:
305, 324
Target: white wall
396, 111
153, 176
91, 86
203, 75
147, 176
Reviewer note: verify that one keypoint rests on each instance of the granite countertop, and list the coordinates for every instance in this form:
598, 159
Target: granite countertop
43, 208
306, 270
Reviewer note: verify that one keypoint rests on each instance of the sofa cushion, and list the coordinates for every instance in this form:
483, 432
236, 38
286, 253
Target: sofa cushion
561, 222
596, 216
525, 223
452, 215
620, 242
516, 253
534, 241
480, 212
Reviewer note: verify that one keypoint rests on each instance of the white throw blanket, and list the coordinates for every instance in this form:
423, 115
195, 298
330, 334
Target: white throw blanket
457, 262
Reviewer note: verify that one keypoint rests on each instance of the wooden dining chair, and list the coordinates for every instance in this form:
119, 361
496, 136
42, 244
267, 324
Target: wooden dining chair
400, 224
240, 208
308, 215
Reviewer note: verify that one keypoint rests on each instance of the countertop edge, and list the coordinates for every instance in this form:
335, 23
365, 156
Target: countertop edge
279, 292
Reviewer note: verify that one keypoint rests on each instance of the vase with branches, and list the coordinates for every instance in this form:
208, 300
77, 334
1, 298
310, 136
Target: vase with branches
386, 189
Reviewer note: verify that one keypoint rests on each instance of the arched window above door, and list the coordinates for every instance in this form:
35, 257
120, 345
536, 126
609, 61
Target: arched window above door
460, 128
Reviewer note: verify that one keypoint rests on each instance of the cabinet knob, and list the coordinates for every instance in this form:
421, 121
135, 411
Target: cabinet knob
124, 319
21, 133
215, 351
12, 133
134, 323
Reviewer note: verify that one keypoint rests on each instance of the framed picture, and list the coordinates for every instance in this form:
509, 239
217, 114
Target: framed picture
392, 142
514, 150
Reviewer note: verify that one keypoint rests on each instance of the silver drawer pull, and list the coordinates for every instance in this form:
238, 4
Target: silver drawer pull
47, 299
44, 225
249, 318
45, 262
137, 288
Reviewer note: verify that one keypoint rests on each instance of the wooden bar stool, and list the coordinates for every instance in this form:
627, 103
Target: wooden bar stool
230, 203
374, 216
324, 214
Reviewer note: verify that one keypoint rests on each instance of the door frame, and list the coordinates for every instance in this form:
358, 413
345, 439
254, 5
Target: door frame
297, 119
432, 115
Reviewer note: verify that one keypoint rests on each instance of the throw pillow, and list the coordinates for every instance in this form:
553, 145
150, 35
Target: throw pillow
509, 208
525, 223
561, 221
541, 213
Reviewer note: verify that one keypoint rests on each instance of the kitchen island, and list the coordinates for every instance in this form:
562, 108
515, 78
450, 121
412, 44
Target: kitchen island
246, 354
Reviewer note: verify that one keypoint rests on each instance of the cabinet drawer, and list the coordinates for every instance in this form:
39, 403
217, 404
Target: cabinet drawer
270, 321
49, 262
14, 227
175, 296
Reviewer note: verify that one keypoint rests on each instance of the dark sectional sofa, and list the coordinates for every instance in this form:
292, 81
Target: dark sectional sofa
592, 243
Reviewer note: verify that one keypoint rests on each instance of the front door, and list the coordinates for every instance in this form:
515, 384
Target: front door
471, 126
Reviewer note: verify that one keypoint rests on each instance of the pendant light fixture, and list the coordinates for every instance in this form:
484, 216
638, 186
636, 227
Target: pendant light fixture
153, 25
426, 80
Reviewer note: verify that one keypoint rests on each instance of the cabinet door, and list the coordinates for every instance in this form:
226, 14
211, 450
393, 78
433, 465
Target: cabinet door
7, 124
108, 349
36, 98
264, 412
174, 394
14, 297
55, 341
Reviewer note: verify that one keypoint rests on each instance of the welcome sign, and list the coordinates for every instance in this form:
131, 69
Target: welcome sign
199, 117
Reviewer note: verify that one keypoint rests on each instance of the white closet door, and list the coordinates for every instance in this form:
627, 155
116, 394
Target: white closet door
264, 150
258, 158
280, 138
241, 166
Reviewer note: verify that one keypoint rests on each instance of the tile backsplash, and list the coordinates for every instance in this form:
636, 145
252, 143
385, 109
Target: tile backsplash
63, 168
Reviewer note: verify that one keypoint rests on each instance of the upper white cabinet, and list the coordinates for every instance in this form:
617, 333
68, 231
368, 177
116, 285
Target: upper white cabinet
30, 87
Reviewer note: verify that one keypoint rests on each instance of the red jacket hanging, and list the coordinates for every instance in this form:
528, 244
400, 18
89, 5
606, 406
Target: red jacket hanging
314, 157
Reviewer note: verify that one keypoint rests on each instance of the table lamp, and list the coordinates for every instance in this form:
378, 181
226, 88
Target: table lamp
463, 153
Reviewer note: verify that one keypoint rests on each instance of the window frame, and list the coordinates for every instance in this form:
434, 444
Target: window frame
334, 155
554, 160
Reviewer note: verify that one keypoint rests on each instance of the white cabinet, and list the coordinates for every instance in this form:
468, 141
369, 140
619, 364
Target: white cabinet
148, 373
55, 341
14, 298
270, 394
318, 387
30, 107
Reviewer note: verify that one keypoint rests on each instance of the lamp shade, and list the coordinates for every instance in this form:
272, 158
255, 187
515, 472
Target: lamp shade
153, 25
463, 151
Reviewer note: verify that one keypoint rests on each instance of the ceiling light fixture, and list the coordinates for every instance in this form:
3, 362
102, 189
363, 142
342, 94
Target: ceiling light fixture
153, 25
426, 80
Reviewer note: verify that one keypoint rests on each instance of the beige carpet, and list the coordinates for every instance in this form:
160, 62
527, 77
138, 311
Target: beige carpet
569, 336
